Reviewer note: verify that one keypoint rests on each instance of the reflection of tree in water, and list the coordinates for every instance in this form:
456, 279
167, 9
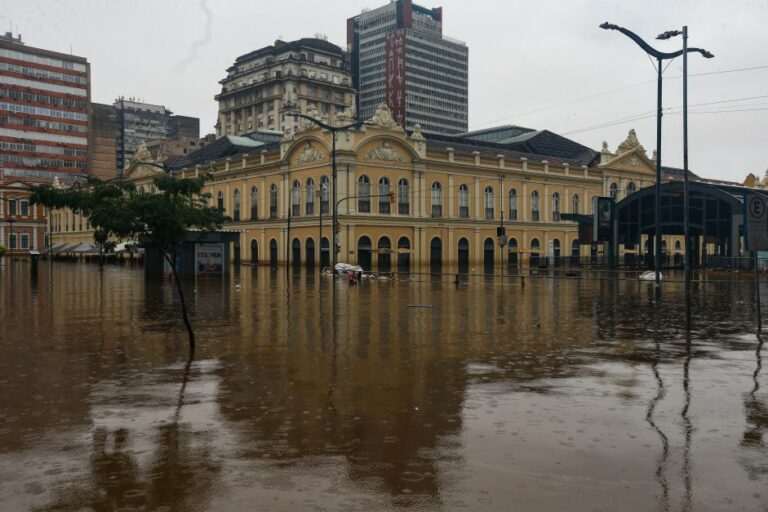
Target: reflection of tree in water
756, 411
179, 476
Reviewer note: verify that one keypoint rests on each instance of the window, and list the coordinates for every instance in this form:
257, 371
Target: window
631, 189
24, 241
614, 190
12, 240
364, 193
220, 201
254, 203
273, 201
236, 205
556, 207
24, 208
296, 199
512, 204
437, 199
324, 188
575, 203
384, 201
12, 207
403, 195
489, 202
534, 205
309, 197
463, 201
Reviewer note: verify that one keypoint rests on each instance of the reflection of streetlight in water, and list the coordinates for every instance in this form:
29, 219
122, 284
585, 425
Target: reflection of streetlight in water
756, 410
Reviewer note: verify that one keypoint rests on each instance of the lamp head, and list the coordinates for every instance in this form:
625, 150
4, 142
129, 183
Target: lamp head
609, 26
706, 54
669, 34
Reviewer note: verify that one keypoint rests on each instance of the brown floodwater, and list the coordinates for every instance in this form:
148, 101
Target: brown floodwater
562, 394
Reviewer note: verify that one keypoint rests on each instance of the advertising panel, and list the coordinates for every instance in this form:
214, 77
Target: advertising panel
394, 47
603, 209
209, 259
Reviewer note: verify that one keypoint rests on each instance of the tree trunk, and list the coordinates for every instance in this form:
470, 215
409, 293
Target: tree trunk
183, 305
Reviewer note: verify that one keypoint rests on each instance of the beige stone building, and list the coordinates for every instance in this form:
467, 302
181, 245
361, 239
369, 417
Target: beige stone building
308, 75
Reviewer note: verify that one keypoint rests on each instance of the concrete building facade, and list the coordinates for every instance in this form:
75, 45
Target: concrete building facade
400, 57
44, 112
310, 75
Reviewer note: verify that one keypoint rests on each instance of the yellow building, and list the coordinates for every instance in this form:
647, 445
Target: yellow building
433, 201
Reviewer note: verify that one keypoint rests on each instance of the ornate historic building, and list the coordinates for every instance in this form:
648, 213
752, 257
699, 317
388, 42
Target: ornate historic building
423, 203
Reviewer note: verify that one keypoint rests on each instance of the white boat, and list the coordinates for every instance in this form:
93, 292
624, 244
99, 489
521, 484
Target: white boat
343, 268
650, 275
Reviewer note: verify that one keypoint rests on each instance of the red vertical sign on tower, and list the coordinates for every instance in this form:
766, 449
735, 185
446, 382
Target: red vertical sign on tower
395, 52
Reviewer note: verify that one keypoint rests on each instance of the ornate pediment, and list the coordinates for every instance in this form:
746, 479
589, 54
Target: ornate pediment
309, 154
385, 152
630, 143
139, 169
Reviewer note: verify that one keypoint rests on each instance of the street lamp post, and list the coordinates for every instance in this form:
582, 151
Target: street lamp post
333, 130
686, 200
659, 56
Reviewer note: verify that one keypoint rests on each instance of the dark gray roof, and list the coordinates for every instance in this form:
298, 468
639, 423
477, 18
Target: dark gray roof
227, 146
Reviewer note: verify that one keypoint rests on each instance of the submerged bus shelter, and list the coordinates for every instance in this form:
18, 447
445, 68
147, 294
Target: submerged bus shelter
716, 220
201, 254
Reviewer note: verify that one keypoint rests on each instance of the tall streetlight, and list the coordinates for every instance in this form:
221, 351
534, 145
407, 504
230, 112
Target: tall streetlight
686, 201
659, 56
333, 130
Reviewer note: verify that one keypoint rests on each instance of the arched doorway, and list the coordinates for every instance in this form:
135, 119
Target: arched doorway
535, 248
254, 252
236, 250
296, 252
404, 255
436, 256
273, 252
463, 256
488, 256
309, 253
575, 252
325, 253
364, 249
512, 255
385, 255
556, 251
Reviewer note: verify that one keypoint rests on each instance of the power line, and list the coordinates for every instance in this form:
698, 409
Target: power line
613, 91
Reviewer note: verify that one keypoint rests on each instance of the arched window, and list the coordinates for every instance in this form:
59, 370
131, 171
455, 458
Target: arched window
555, 207
463, 255
403, 254
254, 203
512, 204
535, 248
463, 201
403, 197
236, 201
273, 251
534, 205
141, 189
364, 193
384, 199
575, 252
575, 203
220, 201
631, 188
488, 255
437, 199
309, 197
296, 198
614, 190
325, 188
384, 250
489, 202
678, 248
273, 201
364, 251
556, 248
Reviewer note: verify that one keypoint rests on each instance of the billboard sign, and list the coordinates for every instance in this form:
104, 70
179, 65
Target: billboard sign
756, 219
209, 259
394, 47
602, 208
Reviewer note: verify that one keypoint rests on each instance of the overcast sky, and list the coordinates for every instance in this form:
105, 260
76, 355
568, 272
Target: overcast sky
541, 64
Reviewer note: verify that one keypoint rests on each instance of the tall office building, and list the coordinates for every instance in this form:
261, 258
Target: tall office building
298, 75
138, 122
400, 57
44, 112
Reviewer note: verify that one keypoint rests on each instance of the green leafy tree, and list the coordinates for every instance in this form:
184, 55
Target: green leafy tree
117, 212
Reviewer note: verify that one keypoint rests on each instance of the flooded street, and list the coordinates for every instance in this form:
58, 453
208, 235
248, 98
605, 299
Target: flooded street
562, 394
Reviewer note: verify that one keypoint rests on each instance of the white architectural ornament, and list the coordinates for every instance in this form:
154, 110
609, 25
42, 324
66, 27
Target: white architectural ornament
386, 153
633, 160
630, 143
382, 117
309, 154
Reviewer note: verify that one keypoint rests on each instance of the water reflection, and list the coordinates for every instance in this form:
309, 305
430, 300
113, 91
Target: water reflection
550, 396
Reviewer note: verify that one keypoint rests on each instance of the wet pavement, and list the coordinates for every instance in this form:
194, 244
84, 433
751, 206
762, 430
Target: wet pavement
563, 394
